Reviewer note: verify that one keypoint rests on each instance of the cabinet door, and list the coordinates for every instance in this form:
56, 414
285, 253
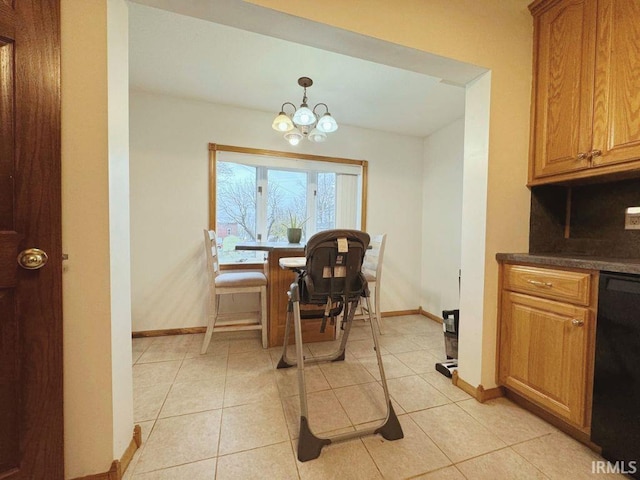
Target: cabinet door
543, 353
616, 122
563, 87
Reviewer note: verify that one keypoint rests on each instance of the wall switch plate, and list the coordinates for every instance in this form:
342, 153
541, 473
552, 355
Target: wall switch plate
632, 218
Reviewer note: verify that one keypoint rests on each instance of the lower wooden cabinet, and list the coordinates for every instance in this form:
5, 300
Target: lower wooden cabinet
545, 346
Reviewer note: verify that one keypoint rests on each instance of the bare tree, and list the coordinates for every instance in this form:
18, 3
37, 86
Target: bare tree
289, 202
237, 202
275, 208
326, 200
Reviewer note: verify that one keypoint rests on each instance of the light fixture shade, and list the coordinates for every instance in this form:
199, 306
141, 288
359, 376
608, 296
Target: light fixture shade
327, 123
304, 116
304, 121
282, 123
317, 136
293, 137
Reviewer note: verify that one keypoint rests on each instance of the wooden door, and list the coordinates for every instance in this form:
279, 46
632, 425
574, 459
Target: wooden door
543, 353
31, 440
563, 87
616, 125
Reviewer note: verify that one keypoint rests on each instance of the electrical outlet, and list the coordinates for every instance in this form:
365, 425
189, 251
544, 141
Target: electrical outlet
632, 218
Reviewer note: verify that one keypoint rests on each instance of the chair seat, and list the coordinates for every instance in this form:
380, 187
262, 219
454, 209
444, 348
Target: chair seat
241, 279
229, 283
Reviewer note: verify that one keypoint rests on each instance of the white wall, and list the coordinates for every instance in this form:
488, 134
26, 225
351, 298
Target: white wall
476, 348
433, 26
169, 205
442, 218
119, 230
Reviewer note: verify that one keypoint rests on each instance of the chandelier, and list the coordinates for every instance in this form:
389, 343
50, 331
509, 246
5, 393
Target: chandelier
304, 122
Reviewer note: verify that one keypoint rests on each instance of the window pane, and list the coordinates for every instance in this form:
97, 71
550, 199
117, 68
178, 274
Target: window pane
256, 196
326, 202
286, 200
235, 210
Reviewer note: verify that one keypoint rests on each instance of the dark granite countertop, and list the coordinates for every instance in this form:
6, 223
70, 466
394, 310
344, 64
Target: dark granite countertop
620, 265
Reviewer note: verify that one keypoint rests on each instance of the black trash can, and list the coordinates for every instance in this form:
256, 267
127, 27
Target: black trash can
450, 324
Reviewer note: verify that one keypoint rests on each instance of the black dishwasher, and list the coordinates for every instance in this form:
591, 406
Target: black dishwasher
615, 423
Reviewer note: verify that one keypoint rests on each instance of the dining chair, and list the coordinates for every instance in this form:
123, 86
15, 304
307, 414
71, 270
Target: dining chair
331, 282
229, 283
372, 269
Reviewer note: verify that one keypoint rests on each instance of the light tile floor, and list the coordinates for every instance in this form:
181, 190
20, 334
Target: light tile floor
230, 414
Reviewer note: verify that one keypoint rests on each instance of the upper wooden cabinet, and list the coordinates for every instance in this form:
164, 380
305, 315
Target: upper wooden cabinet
586, 89
616, 120
563, 87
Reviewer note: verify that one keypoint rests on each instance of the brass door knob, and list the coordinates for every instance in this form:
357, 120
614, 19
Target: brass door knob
577, 323
32, 258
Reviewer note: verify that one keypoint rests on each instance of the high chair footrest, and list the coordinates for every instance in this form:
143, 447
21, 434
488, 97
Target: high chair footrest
309, 446
340, 358
391, 430
284, 364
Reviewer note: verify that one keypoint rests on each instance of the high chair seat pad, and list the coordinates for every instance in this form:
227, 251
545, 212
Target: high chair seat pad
241, 279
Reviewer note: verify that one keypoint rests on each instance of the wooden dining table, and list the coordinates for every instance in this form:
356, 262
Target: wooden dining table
279, 281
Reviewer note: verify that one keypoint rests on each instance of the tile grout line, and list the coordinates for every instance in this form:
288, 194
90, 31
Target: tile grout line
528, 462
357, 361
224, 391
157, 417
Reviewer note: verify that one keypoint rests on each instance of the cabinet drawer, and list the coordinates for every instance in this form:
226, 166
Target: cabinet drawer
572, 287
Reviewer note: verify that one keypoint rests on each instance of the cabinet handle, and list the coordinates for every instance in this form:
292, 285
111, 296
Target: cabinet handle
595, 153
582, 156
538, 283
577, 323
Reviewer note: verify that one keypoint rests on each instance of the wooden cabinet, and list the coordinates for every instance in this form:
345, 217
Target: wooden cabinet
546, 338
586, 89
279, 283
564, 55
616, 121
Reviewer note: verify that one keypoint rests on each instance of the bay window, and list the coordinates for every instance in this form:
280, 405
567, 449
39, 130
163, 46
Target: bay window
256, 194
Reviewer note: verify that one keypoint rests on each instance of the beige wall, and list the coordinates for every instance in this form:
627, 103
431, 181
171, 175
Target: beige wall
85, 237
496, 34
97, 398
493, 33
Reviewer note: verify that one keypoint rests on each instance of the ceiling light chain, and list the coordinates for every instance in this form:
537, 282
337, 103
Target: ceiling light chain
304, 122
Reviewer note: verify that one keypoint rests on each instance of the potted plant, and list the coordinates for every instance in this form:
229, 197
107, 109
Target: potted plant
294, 228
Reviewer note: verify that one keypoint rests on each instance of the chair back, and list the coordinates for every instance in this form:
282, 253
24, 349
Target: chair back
334, 266
372, 265
211, 255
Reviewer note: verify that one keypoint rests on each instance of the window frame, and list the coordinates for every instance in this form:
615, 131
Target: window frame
214, 148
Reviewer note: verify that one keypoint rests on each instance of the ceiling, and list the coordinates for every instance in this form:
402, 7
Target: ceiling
196, 58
